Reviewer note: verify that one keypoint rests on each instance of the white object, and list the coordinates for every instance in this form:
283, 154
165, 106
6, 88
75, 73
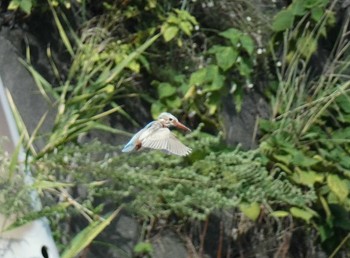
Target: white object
34, 239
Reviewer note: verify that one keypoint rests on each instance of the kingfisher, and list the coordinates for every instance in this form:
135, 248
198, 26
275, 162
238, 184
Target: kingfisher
157, 135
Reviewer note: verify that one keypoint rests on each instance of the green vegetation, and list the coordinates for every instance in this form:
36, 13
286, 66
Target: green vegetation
167, 56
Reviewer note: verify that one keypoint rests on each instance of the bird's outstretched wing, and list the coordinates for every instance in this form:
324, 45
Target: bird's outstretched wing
164, 139
131, 145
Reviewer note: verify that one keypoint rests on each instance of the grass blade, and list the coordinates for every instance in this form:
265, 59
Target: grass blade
43, 85
15, 157
61, 31
18, 119
85, 237
116, 71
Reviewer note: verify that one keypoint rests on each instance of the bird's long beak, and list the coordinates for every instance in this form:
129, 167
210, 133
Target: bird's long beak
182, 126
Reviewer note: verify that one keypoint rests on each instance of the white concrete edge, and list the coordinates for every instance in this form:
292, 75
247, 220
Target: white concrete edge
33, 240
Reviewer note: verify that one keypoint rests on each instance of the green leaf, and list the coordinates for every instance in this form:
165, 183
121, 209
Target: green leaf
87, 235
213, 102
169, 31
331, 19
143, 60
152, 3
173, 102
165, 89
267, 125
317, 13
134, 66
186, 16
225, 57
325, 232
212, 71
157, 108
198, 77
343, 101
251, 210
186, 27
307, 45
26, 6
300, 159
13, 5
244, 68
173, 19
308, 178
338, 186
343, 133
315, 3
143, 248
279, 214
302, 214
283, 20
233, 35
217, 83
247, 43
191, 92
282, 158
205, 75
298, 7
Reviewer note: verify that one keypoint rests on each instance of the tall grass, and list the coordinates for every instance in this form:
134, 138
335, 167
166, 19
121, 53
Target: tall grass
308, 136
87, 95
82, 99
301, 95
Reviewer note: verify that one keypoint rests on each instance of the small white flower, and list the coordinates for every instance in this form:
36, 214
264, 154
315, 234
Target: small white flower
210, 4
259, 51
232, 15
233, 88
250, 85
235, 233
249, 18
238, 45
196, 27
192, 114
279, 64
239, 59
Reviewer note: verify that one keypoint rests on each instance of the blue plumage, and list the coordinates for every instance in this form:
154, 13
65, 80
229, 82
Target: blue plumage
131, 145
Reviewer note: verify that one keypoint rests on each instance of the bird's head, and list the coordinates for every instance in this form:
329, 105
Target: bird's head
168, 120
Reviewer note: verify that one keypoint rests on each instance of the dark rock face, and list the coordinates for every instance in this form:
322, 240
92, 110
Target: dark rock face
29, 101
241, 127
169, 245
123, 234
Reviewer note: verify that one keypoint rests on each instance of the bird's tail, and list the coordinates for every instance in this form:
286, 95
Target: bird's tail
128, 147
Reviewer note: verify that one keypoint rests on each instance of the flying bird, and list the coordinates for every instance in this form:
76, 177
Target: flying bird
156, 135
